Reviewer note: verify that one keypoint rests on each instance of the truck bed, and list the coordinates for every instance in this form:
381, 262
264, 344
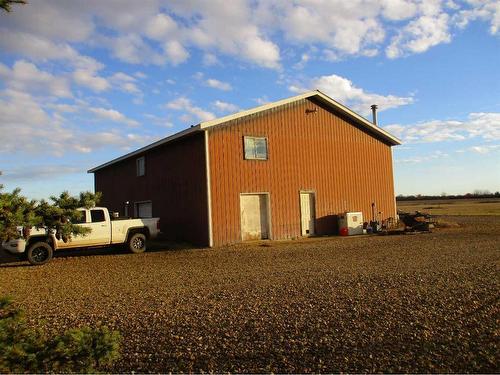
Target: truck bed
120, 227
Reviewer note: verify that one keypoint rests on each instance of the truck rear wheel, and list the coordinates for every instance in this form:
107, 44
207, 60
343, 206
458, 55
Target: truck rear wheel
39, 253
137, 243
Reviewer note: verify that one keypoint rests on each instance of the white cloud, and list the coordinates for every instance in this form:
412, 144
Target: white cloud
113, 115
52, 20
125, 82
161, 26
140, 75
262, 100
88, 142
160, 121
216, 84
225, 107
420, 35
122, 77
481, 125
132, 49
64, 108
344, 91
486, 10
484, 149
397, 10
156, 32
39, 172
175, 52
196, 24
345, 27
16, 109
25, 76
262, 52
210, 59
130, 88
41, 49
27, 128
198, 75
90, 79
304, 58
228, 27
423, 158
184, 104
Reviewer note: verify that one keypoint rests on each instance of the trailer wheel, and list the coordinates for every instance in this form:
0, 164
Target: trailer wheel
137, 243
39, 253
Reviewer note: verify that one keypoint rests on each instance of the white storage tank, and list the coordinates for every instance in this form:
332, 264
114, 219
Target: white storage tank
353, 221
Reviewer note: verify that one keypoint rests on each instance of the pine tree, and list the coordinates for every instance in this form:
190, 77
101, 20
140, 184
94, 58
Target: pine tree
15, 211
57, 217
24, 349
7, 4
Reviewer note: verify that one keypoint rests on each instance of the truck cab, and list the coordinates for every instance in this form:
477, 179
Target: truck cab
99, 221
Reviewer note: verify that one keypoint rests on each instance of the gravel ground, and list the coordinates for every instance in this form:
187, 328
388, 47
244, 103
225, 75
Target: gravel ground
414, 303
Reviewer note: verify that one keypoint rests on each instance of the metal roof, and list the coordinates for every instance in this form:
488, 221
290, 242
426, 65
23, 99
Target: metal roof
326, 100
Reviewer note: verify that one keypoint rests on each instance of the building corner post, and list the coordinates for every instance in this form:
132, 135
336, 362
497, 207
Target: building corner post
209, 191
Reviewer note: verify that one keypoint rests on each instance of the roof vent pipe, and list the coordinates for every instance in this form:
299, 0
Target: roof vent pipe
374, 114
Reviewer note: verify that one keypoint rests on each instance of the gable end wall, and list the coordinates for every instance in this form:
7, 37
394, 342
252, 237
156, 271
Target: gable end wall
319, 151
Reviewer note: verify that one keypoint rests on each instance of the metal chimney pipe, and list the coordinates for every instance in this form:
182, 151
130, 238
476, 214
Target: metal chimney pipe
374, 114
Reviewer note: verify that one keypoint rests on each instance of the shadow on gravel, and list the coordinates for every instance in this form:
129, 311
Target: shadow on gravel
8, 260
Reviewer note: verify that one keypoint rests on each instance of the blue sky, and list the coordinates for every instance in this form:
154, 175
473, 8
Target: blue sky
82, 82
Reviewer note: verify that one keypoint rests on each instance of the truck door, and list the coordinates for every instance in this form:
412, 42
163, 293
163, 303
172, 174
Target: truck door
77, 241
101, 227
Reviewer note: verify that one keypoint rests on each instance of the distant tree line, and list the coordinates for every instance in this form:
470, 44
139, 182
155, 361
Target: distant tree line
476, 194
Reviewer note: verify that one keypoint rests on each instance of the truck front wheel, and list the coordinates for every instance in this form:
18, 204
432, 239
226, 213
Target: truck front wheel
137, 243
39, 253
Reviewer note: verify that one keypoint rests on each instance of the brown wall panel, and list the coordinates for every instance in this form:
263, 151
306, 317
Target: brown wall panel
346, 167
175, 182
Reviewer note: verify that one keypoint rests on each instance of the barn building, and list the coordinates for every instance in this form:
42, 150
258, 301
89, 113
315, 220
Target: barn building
281, 170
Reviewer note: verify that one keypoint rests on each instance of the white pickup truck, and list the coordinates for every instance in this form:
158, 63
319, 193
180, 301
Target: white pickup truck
38, 247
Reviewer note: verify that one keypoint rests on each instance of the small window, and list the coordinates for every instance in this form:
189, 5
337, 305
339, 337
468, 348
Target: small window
141, 166
83, 217
255, 148
97, 216
143, 209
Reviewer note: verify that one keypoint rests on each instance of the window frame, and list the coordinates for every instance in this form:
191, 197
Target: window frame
137, 168
84, 214
136, 209
245, 137
95, 210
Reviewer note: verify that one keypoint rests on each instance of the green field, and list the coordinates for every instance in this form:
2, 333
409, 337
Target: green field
462, 207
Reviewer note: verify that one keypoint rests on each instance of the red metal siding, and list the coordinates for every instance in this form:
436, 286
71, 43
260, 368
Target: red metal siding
320, 151
175, 182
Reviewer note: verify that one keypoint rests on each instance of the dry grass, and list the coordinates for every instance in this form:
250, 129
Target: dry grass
423, 303
446, 223
462, 207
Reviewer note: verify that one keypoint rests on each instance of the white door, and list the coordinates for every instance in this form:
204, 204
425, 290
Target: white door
144, 209
100, 225
96, 220
77, 240
254, 217
307, 215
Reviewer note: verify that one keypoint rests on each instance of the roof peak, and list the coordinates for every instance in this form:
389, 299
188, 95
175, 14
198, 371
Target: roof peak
205, 125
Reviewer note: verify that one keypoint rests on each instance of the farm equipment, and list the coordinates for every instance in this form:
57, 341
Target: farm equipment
416, 222
409, 223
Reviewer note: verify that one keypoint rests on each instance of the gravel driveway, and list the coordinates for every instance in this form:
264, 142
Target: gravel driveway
414, 303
